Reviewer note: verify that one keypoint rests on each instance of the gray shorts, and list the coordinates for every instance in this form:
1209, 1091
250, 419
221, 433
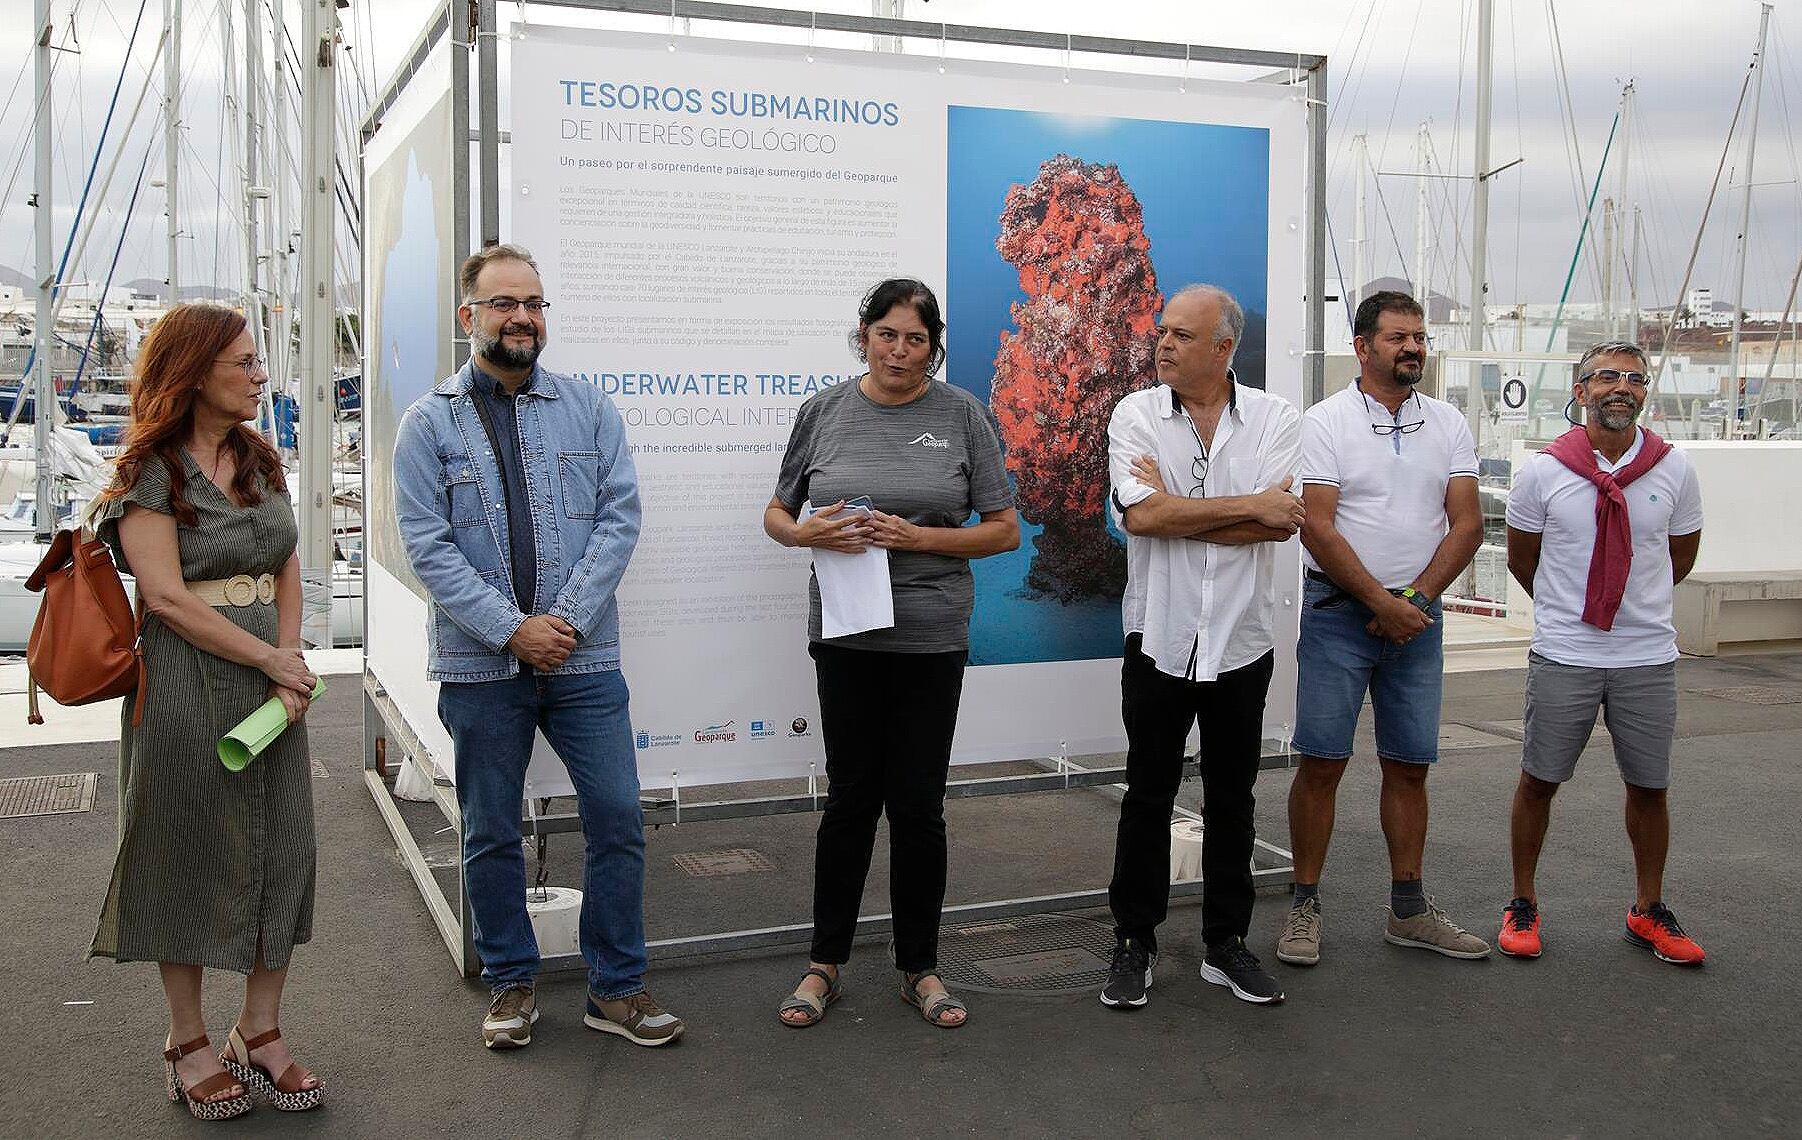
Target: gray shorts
1639, 706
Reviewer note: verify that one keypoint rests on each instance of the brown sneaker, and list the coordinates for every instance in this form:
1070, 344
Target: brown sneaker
510, 1017
1300, 941
638, 1018
1433, 931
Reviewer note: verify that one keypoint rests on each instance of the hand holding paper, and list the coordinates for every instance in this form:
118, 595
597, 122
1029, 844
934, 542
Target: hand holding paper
855, 595
258, 731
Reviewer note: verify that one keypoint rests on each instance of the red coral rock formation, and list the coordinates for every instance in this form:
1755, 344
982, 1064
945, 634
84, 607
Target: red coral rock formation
1086, 329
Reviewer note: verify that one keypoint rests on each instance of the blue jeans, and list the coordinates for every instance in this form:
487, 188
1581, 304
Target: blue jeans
584, 716
1337, 662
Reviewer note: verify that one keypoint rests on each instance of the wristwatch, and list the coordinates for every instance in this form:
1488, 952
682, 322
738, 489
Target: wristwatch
1416, 599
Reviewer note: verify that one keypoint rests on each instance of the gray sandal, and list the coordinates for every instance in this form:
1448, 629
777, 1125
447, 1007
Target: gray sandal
932, 1006
813, 1005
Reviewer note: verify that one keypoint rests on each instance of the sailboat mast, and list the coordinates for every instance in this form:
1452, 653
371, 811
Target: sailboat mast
318, 299
43, 334
1423, 291
1360, 237
1479, 243
1631, 324
280, 317
1745, 217
172, 140
253, 193
1609, 226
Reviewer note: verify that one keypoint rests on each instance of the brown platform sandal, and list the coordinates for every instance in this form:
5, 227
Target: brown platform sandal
196, 1097
286, 1092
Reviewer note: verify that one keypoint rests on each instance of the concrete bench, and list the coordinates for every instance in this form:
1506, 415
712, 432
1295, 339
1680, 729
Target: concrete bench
1713, 606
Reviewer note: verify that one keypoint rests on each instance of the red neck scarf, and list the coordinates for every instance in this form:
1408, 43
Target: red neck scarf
1612, 557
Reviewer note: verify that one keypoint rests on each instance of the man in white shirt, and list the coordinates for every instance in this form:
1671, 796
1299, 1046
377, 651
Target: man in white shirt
1389, 478
1602, 525
1200, 468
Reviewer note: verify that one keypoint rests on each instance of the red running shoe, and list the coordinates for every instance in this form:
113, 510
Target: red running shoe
1520, 930
1656, 929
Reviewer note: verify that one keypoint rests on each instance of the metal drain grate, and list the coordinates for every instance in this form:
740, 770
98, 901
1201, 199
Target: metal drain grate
713, 864
1756, 695
1036, 953
46, 795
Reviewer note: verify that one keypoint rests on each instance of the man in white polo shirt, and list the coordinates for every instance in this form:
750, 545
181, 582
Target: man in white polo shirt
1389, 478
1602, 525
1200, 468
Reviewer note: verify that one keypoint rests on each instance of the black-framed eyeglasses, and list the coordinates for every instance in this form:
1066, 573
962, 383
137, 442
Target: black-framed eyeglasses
505, 305
1394, 427
250, 364
1614, 376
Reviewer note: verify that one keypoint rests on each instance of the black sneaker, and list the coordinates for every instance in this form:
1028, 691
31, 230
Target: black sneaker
1230, 964
1128, 977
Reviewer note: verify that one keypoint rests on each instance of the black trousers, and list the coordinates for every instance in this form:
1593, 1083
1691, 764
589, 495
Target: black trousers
886, 720
1158, 710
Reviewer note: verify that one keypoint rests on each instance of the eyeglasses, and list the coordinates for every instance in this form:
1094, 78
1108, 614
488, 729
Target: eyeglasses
1198, 470
250, 364
1615, 375
1393, 428
505, 305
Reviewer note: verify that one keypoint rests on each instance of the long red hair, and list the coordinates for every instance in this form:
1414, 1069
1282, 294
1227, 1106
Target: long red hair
176, 356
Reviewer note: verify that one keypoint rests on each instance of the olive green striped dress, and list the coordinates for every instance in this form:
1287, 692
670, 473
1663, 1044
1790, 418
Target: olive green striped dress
209, 860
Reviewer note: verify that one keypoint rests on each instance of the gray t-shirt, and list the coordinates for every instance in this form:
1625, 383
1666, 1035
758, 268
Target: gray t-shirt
934, 462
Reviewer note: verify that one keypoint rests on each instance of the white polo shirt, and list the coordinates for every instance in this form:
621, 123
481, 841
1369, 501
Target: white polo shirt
1203, 608
1391, 487
1551, 500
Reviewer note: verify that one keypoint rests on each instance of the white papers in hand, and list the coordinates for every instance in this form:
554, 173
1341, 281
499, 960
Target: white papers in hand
854, 589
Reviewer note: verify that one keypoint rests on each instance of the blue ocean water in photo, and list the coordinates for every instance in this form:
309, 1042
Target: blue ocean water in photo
1204, 190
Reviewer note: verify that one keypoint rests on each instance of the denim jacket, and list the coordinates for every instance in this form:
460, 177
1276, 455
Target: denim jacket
583, 493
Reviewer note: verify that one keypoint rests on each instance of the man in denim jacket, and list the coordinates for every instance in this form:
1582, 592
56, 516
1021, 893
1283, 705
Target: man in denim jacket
518, 505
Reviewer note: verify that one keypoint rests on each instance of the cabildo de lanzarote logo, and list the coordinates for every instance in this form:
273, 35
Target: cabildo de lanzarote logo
656, 739
716, 733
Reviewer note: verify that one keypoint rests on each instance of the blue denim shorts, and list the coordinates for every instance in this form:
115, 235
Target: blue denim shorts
1337, 663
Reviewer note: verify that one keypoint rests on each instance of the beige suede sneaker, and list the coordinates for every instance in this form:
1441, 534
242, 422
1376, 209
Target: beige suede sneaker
1433, 931
1300, 941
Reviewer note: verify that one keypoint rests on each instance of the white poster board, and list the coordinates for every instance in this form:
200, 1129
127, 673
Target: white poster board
706, 221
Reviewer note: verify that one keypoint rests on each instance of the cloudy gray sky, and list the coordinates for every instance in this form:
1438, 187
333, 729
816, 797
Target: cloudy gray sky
1392, 64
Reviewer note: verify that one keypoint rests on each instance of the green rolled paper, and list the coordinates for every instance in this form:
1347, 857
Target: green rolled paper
258, 731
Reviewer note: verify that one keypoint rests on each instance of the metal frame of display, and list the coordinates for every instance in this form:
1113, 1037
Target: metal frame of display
471, 25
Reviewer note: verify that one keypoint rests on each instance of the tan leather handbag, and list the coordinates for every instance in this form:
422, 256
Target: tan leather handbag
84, 645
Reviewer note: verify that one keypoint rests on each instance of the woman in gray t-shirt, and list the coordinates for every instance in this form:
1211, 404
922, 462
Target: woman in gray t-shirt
927, 456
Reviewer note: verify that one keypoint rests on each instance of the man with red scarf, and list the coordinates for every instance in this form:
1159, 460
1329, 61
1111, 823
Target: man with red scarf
1602, 525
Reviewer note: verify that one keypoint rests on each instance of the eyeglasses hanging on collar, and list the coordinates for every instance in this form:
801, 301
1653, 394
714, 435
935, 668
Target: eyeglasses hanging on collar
1395, 426
1198, 470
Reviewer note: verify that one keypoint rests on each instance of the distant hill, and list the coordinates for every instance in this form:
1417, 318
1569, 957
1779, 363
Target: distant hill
1439, 306
154, 286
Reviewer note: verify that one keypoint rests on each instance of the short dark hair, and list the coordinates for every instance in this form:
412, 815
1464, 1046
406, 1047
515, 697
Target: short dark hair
1380, 302
476, 262
902, 291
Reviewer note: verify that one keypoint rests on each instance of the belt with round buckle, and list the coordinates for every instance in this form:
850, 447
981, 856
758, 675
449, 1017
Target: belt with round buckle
239, 590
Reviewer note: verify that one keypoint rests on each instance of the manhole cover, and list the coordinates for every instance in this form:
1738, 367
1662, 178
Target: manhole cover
1757, 695
46, 795
1038, 953
712, 864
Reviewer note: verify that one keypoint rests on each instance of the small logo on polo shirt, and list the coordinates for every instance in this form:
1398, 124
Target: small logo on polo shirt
927, 439
1654, 496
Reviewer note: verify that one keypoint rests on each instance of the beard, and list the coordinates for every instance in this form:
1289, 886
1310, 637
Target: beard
495, 350
1616, 413
1411, 376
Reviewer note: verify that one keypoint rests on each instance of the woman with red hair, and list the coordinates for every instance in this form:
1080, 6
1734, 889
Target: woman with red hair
214, 868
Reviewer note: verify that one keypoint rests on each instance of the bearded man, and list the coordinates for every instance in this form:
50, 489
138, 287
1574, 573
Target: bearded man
518, 505
1602, 525
1389, 480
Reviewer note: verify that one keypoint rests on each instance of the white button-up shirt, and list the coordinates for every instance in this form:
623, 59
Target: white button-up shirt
1203, 608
